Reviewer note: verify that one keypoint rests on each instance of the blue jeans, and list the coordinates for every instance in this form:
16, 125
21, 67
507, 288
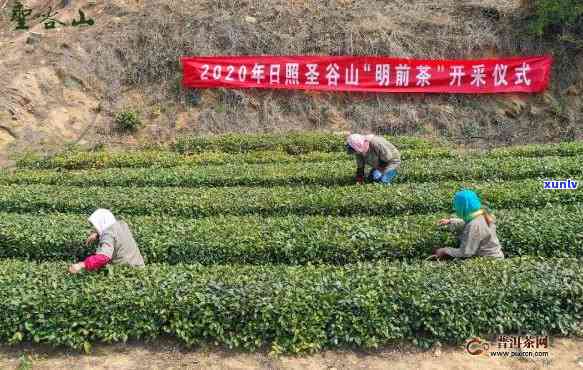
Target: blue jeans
377, 176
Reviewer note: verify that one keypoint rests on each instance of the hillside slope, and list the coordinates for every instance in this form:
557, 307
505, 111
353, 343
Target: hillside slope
66, 87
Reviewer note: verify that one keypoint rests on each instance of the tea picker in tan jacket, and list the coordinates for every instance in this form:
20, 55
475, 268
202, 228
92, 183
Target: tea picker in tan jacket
116, 244
378, 153
476, 228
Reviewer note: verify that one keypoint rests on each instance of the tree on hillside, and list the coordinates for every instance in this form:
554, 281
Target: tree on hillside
553, 17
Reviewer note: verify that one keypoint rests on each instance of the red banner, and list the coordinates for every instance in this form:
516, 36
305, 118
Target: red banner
369, 74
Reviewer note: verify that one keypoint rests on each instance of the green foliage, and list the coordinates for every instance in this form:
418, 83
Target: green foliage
331, 173
135, 159
291, 309
343, 292
291, 143
550, 16
554, 231
302, 200
470, 130
539, 150
164, 159
127, 121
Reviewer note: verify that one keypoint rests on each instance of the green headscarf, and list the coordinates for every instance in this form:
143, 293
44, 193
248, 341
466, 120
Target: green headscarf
466, 205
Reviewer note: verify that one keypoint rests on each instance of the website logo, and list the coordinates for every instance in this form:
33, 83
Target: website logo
560, 184
510, 346
476, 347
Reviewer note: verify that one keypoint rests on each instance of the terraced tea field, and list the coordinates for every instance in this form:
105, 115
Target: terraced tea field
264, 241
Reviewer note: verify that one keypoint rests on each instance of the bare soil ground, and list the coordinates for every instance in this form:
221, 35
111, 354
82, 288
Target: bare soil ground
563, 354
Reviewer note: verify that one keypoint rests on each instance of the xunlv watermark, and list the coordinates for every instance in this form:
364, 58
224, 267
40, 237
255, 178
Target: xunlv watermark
560, 184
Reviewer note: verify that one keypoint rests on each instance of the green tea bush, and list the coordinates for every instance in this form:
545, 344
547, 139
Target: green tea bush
550, 232
227, 252
316, 173
291, 143
164, 159
539, 150
373, 199
289, 309
119, 159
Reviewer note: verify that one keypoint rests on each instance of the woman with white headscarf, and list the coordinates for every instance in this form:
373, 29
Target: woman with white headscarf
378, 153
116, 244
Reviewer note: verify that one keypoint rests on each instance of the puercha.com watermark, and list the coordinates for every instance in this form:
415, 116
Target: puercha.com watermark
509, 346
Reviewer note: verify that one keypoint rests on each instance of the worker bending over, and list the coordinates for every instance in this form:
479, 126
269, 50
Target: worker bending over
476, 228
378, 153
116, 244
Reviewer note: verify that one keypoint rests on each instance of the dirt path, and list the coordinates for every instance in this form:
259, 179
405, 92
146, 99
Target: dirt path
563, 354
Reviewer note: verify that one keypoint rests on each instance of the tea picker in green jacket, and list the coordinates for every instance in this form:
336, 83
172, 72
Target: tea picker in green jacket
476, 229
382, 156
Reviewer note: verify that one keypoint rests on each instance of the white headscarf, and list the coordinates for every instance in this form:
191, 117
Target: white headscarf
102, 219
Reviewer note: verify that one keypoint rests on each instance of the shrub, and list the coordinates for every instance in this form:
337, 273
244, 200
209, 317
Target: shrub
127, 121
157, 159
331, 173
291, 143
301, 200
550, 232
291, 309
122, 159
